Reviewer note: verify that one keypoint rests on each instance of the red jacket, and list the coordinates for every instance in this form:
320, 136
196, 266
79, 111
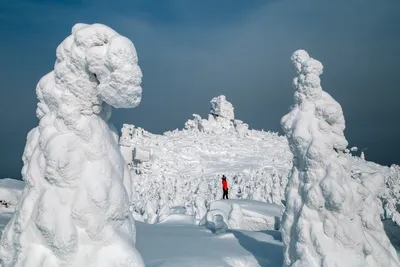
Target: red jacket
224, 184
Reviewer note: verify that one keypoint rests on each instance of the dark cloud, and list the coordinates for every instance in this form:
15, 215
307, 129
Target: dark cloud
191, 51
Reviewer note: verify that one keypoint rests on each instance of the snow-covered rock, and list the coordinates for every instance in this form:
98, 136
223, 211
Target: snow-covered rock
221, 119
222, 108
326, 222
74, 210
141, 155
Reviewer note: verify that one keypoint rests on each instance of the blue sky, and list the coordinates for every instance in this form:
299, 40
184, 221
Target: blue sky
191, 51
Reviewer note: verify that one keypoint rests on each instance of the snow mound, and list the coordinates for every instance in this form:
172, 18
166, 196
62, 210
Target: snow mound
243, 215
331, 219
74, 210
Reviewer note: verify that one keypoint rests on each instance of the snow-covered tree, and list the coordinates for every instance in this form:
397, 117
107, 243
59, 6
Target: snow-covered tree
74, 210
323, 224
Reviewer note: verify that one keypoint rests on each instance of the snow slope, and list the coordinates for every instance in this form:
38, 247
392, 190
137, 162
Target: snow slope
331, 218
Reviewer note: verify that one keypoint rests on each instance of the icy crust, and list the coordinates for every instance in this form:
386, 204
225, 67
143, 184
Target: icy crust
330, 218
74, 210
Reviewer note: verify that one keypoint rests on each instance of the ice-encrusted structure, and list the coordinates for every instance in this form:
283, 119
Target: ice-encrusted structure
74, 210
325, 221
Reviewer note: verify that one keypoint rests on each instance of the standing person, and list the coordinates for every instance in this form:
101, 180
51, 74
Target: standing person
224, 187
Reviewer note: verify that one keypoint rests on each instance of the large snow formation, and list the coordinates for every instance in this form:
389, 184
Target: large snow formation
74, 210
331, 219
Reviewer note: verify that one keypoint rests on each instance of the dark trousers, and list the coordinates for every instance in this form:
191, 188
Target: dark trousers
225, 194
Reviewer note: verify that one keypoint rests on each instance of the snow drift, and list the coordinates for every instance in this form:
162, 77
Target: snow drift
74, 210
331, 219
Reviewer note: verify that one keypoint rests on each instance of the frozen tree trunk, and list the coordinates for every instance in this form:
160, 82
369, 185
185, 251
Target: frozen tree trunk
322, 223
74, 210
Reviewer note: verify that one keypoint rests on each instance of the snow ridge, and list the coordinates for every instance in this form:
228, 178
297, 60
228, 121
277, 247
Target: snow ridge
74, 210
319, 226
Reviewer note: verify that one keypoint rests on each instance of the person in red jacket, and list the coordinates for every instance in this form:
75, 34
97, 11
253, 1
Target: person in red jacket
224, 187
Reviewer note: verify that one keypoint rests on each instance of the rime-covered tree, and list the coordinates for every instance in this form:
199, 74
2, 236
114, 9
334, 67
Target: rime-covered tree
74, 210
323, 223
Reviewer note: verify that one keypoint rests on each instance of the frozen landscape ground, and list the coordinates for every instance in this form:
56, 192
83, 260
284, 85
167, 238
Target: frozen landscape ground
81, 191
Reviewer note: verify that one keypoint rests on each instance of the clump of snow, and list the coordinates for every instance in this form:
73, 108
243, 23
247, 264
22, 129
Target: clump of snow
325, 223
74, 210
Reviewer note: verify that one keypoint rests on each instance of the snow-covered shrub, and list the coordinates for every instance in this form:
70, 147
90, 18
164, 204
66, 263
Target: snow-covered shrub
74, 210
324, 223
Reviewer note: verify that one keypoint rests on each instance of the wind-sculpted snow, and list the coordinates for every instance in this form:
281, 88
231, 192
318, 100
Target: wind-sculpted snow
331, 219
74, 210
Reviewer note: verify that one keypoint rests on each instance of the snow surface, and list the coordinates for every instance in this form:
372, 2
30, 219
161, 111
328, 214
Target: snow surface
74, 210
178, 242
331, 219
